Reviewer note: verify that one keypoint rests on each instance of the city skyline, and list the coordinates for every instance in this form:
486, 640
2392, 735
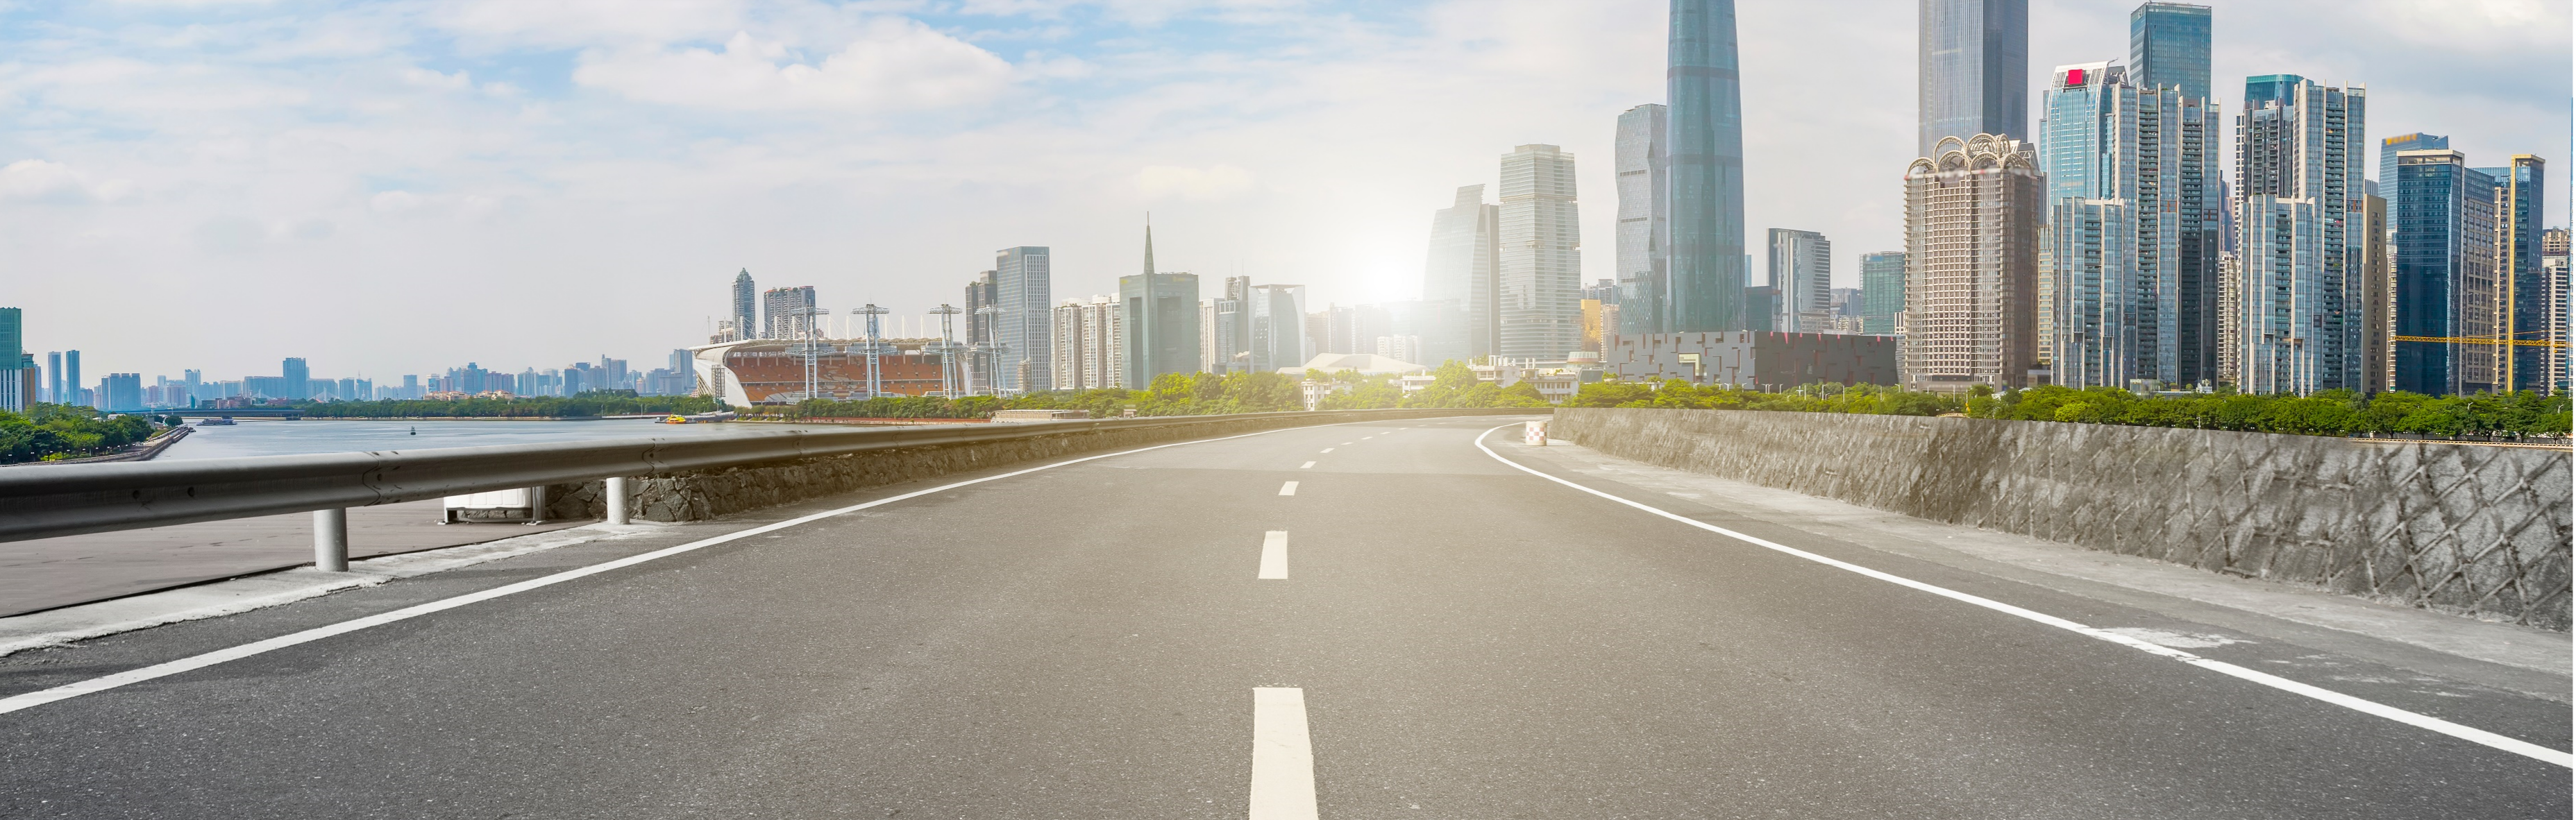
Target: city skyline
431, 222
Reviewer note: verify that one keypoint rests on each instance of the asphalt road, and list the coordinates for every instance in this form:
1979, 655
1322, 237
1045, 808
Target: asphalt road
1453, 638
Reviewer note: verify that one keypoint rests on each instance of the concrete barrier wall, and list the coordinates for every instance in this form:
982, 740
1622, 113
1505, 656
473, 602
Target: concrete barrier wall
2473, 530
705, 494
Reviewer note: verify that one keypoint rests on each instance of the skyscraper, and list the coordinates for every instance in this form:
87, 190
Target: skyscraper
299, 379
71, 389
13, 341
1882, 291
1972, 217
2554, 277
1022, 279
1704, 273
2390, 147
1460, 275
785, 312
1643, 222
1973, 66
745, 296
2299, 154
1278, 319
1540, 270
1802, 267
2446, 283
2169, 48
2522, 298
1161, 322
54, 379
2130, 263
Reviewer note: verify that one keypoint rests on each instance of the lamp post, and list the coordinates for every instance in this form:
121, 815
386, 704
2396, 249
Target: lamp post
993, 349
811, 346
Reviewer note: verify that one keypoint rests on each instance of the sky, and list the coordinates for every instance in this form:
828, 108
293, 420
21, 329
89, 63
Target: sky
392, 187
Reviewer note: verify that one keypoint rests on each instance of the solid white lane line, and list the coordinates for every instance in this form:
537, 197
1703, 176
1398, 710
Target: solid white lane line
1274, 556
1289, 488
1365, 438
1283, 756
1306, 466
2474, 735
159, 670
1328, 449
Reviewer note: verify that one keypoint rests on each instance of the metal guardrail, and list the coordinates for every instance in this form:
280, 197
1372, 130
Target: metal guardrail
90, 498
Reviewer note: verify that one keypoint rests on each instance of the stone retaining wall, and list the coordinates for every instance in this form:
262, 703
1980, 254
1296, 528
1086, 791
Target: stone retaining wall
2474, 530
702, 495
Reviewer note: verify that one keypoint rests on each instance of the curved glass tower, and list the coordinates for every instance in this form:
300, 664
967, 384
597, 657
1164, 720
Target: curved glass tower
1705, 155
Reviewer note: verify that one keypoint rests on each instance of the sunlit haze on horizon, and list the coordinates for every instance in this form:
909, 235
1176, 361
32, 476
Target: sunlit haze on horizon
389, 188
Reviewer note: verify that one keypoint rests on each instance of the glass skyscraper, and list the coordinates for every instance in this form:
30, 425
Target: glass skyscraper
2523, 286
1022, 288
1643, 226
2390, 147
1973, 70
2444, 217
1882, 291
1538, 269
2129, 285
2169, 47
1706, 270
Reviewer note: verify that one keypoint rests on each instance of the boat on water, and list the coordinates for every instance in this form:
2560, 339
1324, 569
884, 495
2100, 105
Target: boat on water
699, 418
218, 421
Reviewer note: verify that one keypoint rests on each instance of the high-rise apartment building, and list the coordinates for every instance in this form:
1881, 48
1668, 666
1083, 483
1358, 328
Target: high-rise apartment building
745, 305
1278, 319
1802, 267
2378, 298
2169, 48
1090, 344
123, 392
2129, 279
54, 391
1160, 321
1973, 70
1643, 205
2299, 190
1972, 218
2522, 285
981, 313
2446, 279
1540, 267
1882, 291
1705, 269
1463, 271
786, 312
2554, 277
1022, 279
299, 379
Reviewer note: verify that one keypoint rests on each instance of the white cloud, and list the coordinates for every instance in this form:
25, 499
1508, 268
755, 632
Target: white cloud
895, 64
1214, 182
394, 202
36, 180
579, 23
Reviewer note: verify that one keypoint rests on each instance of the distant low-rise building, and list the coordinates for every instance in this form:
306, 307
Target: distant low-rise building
1754, 359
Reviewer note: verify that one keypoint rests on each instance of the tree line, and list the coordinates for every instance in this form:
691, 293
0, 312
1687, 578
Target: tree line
1199, 394
595, 403
50, 432
2325, 413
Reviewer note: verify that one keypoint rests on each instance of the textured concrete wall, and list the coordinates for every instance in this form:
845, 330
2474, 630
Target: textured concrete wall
2468, 529
701, 495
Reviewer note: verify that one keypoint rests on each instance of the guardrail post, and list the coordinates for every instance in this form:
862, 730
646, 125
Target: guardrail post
617, 511
331, 540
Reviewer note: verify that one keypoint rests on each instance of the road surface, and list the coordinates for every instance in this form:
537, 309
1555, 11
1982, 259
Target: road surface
1353, 621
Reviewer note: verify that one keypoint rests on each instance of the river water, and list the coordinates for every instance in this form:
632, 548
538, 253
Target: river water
264, 437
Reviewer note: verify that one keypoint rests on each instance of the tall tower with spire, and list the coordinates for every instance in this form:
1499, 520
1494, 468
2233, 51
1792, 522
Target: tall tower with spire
1160, 320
